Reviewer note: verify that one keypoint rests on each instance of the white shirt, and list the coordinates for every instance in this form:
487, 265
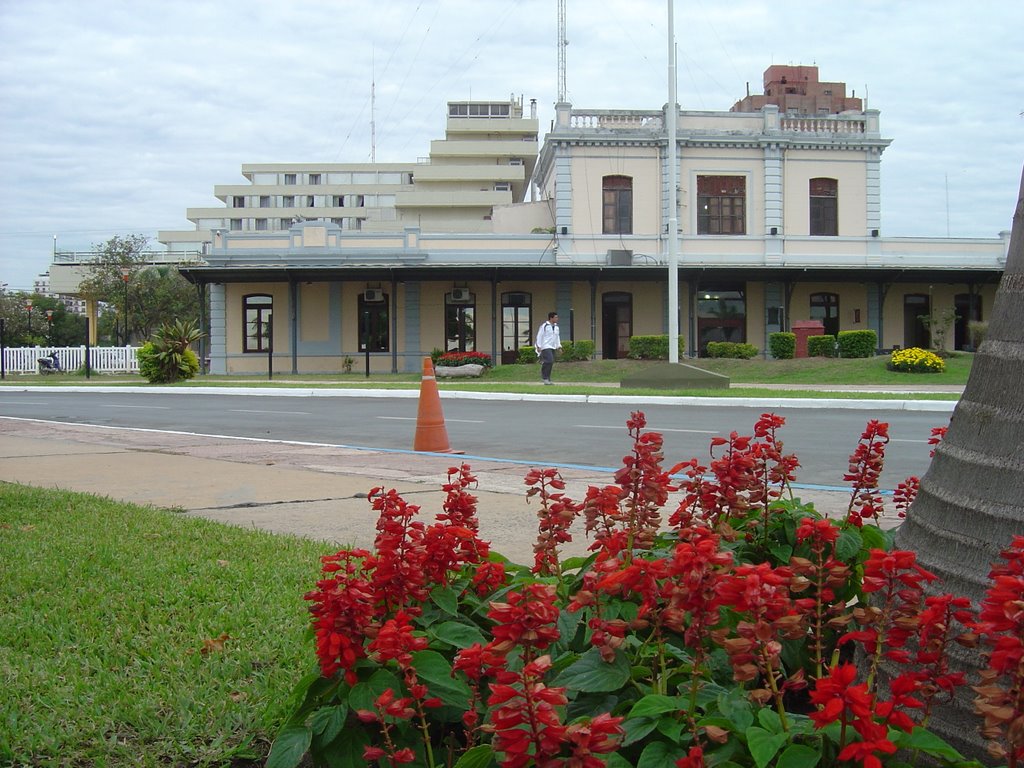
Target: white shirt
547, 337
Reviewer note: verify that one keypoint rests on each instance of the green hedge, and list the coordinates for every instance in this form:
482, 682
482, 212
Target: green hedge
574, 351
821, 346
857, 343
782, 345
652, 347
731, 349
526, 355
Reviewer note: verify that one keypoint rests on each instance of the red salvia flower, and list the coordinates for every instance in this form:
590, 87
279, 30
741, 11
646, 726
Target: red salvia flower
905, 494
866, 464
528, 618
557, 514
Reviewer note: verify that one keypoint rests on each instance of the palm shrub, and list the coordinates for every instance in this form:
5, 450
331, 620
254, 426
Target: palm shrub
168, 357
782, 345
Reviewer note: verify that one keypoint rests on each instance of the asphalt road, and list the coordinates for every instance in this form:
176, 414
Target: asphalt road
538, 433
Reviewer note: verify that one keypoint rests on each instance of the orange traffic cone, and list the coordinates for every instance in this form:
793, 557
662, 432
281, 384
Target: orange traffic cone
431, 434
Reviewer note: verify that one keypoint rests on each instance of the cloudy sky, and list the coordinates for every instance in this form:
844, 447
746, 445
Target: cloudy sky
117, 116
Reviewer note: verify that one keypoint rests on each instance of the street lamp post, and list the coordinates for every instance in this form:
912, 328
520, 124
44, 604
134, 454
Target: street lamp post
125, 276
49, 327
28, 308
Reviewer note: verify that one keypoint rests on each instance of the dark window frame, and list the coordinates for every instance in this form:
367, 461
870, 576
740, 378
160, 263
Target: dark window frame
827, 304
721, 205
378, 315
257, 308
617, 205
459, 324
823, 207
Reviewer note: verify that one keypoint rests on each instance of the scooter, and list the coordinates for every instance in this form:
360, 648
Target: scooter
49, 364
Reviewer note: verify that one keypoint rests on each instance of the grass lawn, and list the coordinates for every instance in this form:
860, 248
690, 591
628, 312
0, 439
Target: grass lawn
137, 637
577, 376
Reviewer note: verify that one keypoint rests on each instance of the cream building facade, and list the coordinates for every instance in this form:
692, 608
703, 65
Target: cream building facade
779, 220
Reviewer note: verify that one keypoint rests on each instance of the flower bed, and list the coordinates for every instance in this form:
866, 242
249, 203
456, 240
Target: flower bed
455, 359
721, 636
916, 360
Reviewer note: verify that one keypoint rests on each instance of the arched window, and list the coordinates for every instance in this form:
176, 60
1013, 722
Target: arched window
824, 207
258, 312
825, 307
617, 197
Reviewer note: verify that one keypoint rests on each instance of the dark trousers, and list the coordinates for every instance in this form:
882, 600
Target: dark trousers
547, 360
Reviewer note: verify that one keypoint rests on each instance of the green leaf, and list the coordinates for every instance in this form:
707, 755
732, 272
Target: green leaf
478, 757
363, 694
736, 707
433, 669
763, 745
655, 704
781, 553
926, 741
328, 721
447, 599
347, 750
798, 756
457, 634
591, 674
290, 745
615, 760
874, 538
659, 754
636, 728
770, 720
849, 544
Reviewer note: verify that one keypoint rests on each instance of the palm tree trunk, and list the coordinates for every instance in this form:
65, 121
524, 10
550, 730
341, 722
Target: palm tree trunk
971, 500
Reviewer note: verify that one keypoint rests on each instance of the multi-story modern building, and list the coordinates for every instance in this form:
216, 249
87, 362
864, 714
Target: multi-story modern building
779, 220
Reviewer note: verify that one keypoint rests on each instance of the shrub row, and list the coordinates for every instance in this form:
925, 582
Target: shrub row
731, 349
652, 347
455, 359
782, 345
572, 351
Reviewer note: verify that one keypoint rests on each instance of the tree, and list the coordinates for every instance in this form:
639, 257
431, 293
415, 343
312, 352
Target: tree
971, 500
64, 329
156, 294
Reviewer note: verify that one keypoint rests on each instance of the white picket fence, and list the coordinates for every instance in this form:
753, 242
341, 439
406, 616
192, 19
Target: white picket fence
101, 359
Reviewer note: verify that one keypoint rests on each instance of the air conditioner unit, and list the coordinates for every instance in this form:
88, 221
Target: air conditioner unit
461, 294
373, 294
620, 258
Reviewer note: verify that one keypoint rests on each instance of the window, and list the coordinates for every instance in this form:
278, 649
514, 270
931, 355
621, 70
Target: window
286, 223
238, 201
373, 325
824, 207
288, 201
310, 201
502, 186
721, 315
721, 205
261, 225
825, 307
236, 225
289, 178
259, 310
264, 201
617, 205
314, 178
459, 325
516, 324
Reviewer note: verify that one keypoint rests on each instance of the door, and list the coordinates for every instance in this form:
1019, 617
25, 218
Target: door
915, 333
616, 324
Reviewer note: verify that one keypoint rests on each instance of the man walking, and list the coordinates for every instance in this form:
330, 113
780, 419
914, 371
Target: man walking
547, 342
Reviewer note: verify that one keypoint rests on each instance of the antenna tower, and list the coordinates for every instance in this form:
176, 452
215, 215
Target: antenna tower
562, 43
